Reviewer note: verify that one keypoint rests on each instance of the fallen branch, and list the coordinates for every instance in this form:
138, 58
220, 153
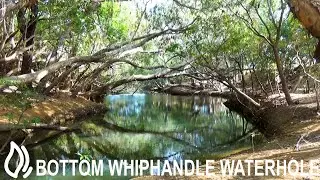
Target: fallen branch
10, 127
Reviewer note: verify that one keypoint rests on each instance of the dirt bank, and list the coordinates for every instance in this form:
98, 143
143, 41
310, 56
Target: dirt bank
22, 115
51, 110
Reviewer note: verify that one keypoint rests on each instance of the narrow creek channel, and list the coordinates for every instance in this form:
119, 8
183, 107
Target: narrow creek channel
150, 126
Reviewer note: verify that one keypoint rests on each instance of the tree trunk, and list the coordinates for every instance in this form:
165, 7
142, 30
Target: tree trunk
243, 81
28, 31
270, 83
26, 63
282, 76
60, 79
307, 12
252, 83
240, 65
297, 84
2, 69
308, 87
252, 101
317, 94
259, 82
316, 55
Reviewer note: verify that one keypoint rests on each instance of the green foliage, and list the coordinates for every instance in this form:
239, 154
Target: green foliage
9, 82
22, 100
79, 25
315, 71
226, 38
84, 155
35, 120
10, 116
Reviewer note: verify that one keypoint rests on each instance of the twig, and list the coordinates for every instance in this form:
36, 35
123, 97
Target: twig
297, 146
304, 70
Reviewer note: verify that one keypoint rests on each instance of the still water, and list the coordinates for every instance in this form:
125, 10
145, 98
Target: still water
143, 126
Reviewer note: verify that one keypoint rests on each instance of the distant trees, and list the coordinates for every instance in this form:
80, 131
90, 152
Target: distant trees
84, 44
92, 48
265, 19
255, 38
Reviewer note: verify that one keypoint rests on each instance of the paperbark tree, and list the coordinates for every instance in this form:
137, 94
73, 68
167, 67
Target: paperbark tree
308, 13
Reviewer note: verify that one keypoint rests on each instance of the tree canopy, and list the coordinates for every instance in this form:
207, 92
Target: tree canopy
95, 47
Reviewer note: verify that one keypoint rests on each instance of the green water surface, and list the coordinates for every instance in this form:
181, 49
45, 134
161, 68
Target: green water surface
145, 126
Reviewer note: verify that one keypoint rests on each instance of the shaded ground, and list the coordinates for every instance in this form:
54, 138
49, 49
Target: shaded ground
299, 98
50, 110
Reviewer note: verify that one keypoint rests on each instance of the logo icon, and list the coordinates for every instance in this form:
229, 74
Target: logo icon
23, 164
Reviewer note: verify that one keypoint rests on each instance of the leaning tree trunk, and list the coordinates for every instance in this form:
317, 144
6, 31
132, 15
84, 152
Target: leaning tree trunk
308, 13
282, 76
242, 94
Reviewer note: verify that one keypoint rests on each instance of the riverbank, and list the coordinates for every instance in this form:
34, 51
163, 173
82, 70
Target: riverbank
189, 90
55, 110
297, 138
21, 114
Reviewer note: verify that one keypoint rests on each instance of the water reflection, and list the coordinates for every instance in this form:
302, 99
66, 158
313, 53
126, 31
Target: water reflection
142, 126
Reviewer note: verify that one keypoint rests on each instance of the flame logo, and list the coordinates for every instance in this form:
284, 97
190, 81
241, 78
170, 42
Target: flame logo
23, 164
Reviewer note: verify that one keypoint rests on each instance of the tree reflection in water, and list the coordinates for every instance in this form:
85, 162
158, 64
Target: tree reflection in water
143, 126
